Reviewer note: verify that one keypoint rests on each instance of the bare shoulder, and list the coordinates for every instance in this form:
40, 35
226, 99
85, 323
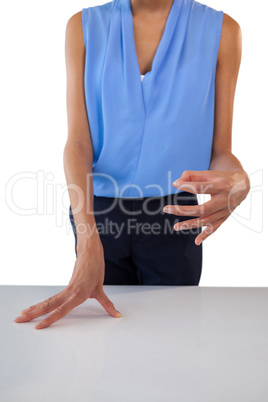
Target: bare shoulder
74, 30
75, 20
230, 27
231, 39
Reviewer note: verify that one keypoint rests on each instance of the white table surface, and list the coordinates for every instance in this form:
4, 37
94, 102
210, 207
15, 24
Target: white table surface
172, 343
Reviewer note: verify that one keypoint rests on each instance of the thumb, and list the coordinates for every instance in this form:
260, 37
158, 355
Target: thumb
107, 304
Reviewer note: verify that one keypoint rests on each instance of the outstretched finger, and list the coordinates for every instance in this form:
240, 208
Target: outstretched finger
107, 304
61, 311
198, 222
201, 187
42, 308
208, 231
193, 210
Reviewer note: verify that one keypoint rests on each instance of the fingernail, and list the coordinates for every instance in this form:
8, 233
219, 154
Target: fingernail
181, 227
118, 314
167, 209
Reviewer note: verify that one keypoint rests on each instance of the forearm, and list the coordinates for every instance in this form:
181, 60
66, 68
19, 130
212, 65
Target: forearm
78, 160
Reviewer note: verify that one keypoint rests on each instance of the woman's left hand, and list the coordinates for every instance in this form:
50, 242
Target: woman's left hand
227, 188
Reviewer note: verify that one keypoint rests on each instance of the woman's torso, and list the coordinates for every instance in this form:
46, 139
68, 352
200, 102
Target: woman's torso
146, 129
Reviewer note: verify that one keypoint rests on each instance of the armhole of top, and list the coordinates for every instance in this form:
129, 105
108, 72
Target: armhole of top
84, 21
218, 37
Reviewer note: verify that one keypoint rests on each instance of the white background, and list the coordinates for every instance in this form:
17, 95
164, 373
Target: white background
38, 249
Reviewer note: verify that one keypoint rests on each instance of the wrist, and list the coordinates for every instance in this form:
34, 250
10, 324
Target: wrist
244, 179
241, 184
89, 242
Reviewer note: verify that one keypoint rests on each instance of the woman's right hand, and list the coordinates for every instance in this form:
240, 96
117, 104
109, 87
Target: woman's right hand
86, 283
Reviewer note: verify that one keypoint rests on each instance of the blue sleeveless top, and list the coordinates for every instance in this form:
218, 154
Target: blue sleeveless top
146, 133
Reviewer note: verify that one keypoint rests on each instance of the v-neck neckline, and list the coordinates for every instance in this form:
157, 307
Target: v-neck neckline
162, 45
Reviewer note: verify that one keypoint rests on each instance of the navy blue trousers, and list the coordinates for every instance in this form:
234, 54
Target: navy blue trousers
139, 242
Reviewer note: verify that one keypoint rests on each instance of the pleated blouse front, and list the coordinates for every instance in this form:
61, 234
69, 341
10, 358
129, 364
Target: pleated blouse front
147, 130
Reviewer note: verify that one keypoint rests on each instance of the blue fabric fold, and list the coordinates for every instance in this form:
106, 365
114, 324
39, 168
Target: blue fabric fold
145, 133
